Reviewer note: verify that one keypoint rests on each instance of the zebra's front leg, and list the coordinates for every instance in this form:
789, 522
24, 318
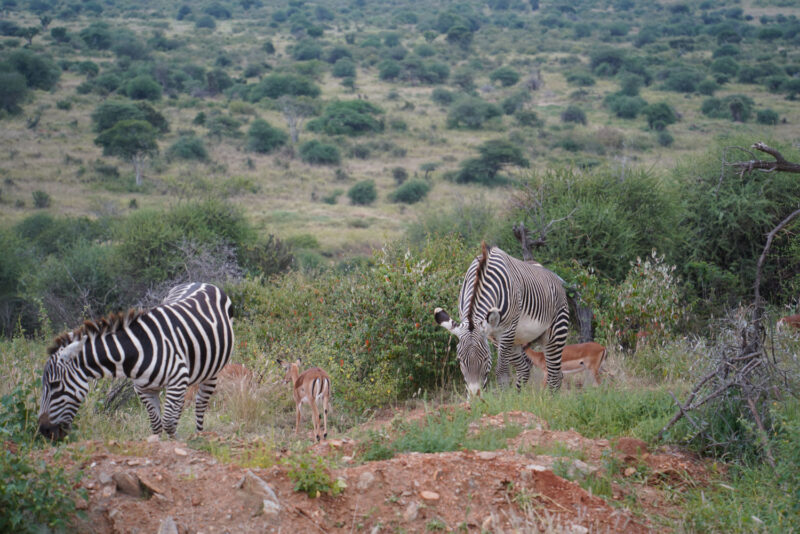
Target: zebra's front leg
204, 392
173, 406
502, 371
556, 339
153, 405
522, 365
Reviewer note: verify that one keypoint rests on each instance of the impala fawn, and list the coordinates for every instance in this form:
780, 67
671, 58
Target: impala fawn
574, 358
312, 387
789, 320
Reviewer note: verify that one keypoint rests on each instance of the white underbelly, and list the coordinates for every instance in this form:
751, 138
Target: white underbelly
528, 330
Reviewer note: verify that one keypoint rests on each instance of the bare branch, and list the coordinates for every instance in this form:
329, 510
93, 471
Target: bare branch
779, 165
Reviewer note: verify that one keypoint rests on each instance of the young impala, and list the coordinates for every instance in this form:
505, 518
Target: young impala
790, 320
313, 387
574, 358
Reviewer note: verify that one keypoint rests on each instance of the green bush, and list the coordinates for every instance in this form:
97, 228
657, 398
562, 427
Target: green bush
471, 112
767, 116
264, 138
277, 85
625, 107
41, 199
311, 475
411, 191
316, 152
350, 117
665, 138
707, 87
580, 78
344, 68
573, 114
188, 147
306, 50
143, 87
507, 76
363, 193
659, 113
205, 22
13, 91
443, 97
681, 79
737, 108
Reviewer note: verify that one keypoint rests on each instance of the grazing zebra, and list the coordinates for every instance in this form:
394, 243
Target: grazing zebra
185, 340
514, 303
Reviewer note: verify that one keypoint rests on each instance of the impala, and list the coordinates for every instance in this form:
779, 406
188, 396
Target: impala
313, 387
574, 358
789, 320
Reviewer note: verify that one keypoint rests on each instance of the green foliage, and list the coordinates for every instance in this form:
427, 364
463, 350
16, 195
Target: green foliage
40, 71
97, 36
13, 90
767, 116
737, 108
507, 76
277, 85
316, 152
471, 112
143, 87
205, 22
573, 114
344, 68
660, 112
311, 475
495, 154
681, 79
580, 78
348, 117
306, 50
18, 418
443, 97
411, 191
41, 199
112, 111
363, 193
264, 138
625, 107
611, 221
188, 147
128, 138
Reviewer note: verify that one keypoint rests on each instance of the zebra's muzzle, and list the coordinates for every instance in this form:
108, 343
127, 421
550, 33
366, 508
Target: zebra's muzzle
54, 432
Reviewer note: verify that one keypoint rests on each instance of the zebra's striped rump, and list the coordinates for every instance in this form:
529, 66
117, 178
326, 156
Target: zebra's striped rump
514, 304
185, 340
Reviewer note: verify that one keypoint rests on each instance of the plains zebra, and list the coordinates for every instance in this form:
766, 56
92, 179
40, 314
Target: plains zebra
514, 303
185, 340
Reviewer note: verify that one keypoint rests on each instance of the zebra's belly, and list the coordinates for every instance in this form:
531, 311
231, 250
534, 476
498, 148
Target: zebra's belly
528, 329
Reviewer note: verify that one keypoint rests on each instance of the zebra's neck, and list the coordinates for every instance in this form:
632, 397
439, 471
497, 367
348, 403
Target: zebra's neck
111, 355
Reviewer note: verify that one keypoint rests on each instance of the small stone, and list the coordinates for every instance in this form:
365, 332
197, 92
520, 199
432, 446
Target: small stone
536, 467
629, 471
347, 459
127, 483
180, 452
108, 491
486, 524
150, 484
104, 478
134, 462
334, 443
486, 455
113, 513
411, 511
578, 529
429, 495
153, 438
365, 480
168, 526
196, 500
81, 504
254, 485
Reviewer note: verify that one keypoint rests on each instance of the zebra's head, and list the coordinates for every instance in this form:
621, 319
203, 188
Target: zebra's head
472, 350
64, 387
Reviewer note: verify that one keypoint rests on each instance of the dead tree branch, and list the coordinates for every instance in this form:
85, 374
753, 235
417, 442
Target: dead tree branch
779, 165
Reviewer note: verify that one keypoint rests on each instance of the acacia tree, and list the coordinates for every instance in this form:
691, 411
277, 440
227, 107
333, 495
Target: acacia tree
131, 139
295, 110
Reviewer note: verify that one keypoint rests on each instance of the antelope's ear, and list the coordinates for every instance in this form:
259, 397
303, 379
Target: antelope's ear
72, 350
444, 320
493, 318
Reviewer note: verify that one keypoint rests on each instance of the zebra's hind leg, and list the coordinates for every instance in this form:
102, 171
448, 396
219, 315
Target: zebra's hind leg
556, 338
173, 406
153, 405
204, 393
523, 367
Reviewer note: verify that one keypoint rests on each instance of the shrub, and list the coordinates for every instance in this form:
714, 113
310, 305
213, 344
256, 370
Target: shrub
13, 90
316, 152
471, 112
664, 137
400, 174
681, 80
660, 112
495, 154
312, 476
443, 97
111, 112
40, 71
363, 193
507, 76
411, 191
707, 87
277, 85
97, 36
351, 117
264, 138
205, 22
143, 87
737, 108
573, 114
626, 107
580, 78
389, 69
513, 103
725, 65
306, 50
767, 116
344, 68
188, 147
527, 118
41, 199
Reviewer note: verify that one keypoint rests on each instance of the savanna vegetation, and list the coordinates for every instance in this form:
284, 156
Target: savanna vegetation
334, 165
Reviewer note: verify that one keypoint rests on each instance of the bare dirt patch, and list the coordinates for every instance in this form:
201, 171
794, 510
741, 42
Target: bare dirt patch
135, 486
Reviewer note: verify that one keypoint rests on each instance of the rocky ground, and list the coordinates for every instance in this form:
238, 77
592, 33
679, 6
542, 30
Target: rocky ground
170, 487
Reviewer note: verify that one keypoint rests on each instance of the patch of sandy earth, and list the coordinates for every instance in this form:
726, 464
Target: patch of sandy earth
499, 491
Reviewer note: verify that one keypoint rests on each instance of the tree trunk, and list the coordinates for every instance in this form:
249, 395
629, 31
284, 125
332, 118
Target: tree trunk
137, 165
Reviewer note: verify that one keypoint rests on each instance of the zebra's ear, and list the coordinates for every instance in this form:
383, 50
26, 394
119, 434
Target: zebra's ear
493, 318
72, 350
444, 320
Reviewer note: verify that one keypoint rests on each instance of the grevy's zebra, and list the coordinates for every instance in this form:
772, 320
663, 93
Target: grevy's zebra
185, 340
515, 304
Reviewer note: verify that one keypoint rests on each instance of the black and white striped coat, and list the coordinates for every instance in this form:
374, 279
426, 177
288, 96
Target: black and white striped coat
514, 303
186, 340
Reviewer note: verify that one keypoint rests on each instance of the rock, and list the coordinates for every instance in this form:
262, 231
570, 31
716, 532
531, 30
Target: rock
365, 480
411, 511
134, 461
629, 471
153, 438
536, 467
486, 455
631, 446
127, 483
180, 452
104, 478
196, 500
254, 485
168, 526
151, 485
578, 529
108, 491
579, 466
429, 495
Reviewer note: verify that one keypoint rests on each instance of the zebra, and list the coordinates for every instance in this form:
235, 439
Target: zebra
185, 340
515, 304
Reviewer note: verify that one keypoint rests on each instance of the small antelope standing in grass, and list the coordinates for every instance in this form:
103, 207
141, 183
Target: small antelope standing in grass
313, 387
789, 320
574, 358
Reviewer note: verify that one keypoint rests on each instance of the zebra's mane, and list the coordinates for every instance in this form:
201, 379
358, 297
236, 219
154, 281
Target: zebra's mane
104, 325
478, 272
